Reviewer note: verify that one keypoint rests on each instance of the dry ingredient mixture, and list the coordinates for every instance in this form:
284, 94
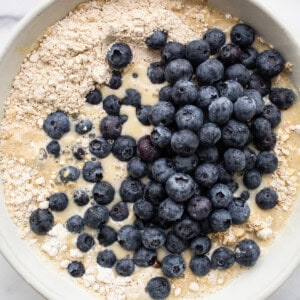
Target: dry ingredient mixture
67, 64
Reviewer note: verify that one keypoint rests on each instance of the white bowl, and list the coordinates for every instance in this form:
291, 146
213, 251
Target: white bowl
258, 283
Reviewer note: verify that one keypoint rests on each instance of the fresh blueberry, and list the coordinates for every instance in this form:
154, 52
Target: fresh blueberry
239, 211
76, 269
157, 40
252, 179
110, 127
230, 54
103, 193
197, 52
144, 257
242, 35
129, 237
131, 190
283, 98
68, 174
178, 69
261, 128
187, 229
41, 221
111, 104
222, 258
156, 72
272, 114
184, 92
174, 244
184, 142
230, 89
249, 57
106, 235
209, 134
162, 113
206, 95
125, 267
143, 114
189, 117
119, 212
244, 109
208, 154
78, 151
154, 192
165, 94
132, 97
259, 83
119, 56
220, 195
199, 207
200, 265
94, 97
210, 72
269, 63
247, 253
75, 224
234, 160
115, 82
84, 126
256, 96
239, 73
153, 238
266, 143
85, 242
96, 216
53, 148
137, 168
250, 156
173, 51
235, 134
206, 174
215, 38
220, 220
58, 201
163, 169
106, 259
81, 197
267, 198
201, 245
173, 265
266, 162
161, 136
124, 148
186, 164
169, 210
56, 125
100, 147
220, 110
146, 149
158, 288
143, 209
92, 171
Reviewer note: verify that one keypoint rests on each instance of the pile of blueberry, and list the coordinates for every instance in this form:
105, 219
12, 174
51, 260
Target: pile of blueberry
211, 124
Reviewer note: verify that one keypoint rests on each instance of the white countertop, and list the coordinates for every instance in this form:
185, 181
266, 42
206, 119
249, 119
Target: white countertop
12, 286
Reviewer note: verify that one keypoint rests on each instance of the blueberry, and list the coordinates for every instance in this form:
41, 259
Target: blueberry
250, 156
41, 221
249, 57
119, 56
85, 242
189, 117
58, 201
131, 190
173, 265
272, 114
187, 229
178, 69
209, 134
94, 97
173, 51
169, 210
124, 148
215, 38
157, 40
106, 259
283, 98
125, 267
224, 176
137, 168
252, 179
266, 143
206, 95
75, 224
153, 238
234, 160
245, 195
210, 72
206, 174
119, 212
184, 142
154, 192
103, 193
53, 148
84, 126
199, 207
256, 96
132, 97
143, 114
81, 197
115, 82
162, 113
106, 235
111, 104
220, 220
184, 92
244, 109
68, 174
129, 237
220, 110
222, 258
174, 244
247, 253
76, 269
165, 94
96, 216
144, 257
230, 54
269, 63
143, 209
201, 245
197, 52
267, 198
146, 149
235, 134
259, 83
266, 162
92, 171
200, 265
158, 288
261, 128
161, 136
239, 211
110, 127
163, 169
239, 73
242, 35
56, 125
156, 72
100, 147
186, 164
230, 89
78, 151
220, 195
208, 154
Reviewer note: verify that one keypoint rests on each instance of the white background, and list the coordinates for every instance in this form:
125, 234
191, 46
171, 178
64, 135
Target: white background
12, 286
